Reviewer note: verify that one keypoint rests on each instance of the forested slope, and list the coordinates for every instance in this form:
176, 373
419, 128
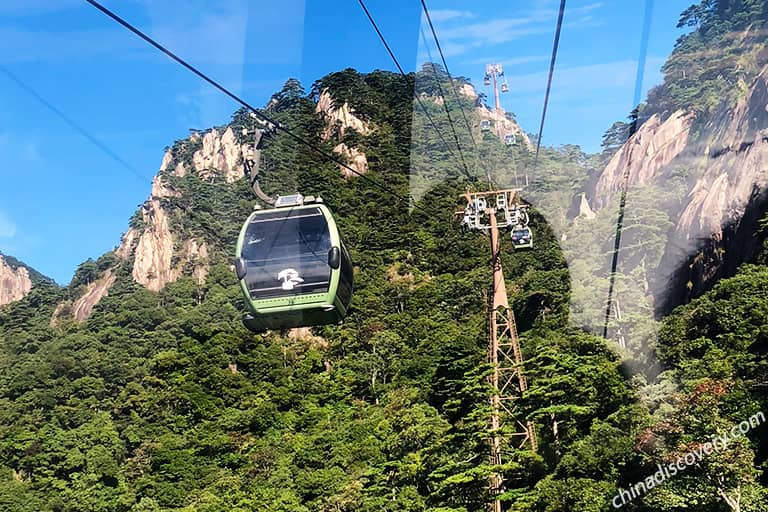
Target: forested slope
159, 399
163, 401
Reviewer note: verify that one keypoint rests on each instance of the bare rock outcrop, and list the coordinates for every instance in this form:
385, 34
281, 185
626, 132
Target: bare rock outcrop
180, 170
94, 292
157, 254
156, 260
160, 189
468, 90
81, 308
15, 283
727, 161
154, 252
715, 230
716, 168
159, 257
339, 117
167, 159
645, 155
355, 158
734, 165
583, 209
221, 155
127, 244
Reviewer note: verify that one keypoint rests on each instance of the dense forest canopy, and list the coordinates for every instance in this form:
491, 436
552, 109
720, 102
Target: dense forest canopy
163, 401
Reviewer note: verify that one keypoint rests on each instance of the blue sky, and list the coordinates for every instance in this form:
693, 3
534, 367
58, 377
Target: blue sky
86, 109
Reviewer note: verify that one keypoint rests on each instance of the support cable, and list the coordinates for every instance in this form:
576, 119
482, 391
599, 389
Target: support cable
445, 107
555, 46
647, 17
72, 124
403, 73
239, 100
453, 86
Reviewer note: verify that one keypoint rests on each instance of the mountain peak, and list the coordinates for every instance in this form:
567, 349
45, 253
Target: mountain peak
17, 279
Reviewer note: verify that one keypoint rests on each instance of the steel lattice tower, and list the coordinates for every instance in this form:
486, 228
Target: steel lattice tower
508, 427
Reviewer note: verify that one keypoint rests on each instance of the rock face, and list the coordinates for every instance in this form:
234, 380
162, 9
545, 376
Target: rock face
468, 90
727, 162
80, 309
159, 257
724, 161
339, 120
83, 306
154, 252
15, 282
221, 155
580, 208
734, 163
645, 155
355, 158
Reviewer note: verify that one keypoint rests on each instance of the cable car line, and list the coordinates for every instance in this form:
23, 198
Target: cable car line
453, 84
277, 125
312, 291
645, 35
445, 105
239, 100
555, 46
403, 73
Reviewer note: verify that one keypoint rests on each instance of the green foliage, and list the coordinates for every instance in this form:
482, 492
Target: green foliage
715, 346
715, 63
162, 401
614, 138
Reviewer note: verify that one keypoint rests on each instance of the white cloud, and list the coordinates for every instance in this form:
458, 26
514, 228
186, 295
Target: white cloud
7, 227
460, 37
488, 31
552, 9
439, 15
215, 33
218, 32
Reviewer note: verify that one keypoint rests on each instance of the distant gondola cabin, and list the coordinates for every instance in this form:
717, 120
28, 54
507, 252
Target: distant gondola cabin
293, 268
522, 238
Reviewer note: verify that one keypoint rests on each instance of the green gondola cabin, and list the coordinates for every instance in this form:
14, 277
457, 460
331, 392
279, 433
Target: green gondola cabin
293, 268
